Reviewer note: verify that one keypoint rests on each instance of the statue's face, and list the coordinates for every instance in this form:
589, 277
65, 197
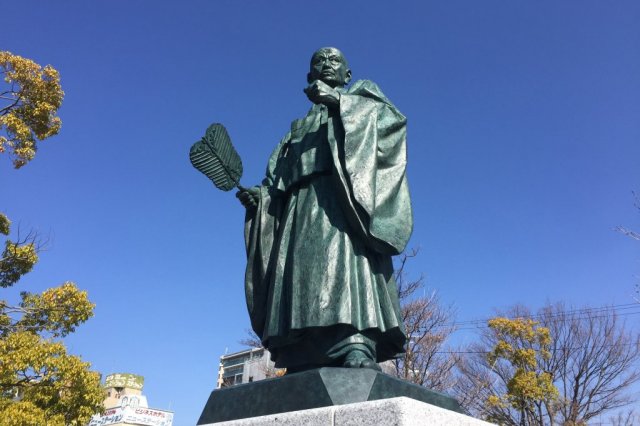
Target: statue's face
329, 65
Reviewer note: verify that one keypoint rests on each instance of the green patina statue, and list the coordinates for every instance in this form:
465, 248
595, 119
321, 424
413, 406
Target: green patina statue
321, 229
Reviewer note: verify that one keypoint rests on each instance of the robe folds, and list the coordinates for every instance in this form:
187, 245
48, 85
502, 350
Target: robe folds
333, 208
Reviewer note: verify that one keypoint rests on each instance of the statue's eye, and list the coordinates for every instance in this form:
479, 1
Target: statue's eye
334, 59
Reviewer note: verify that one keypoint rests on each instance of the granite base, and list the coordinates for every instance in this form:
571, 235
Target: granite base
400, 411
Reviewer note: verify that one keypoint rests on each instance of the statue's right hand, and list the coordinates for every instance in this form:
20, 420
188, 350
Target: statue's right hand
249, 197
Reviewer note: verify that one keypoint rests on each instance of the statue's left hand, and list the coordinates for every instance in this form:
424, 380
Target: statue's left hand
320, 92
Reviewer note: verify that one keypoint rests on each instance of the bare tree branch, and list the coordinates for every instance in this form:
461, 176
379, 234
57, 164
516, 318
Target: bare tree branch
251, 340
428, 325
628, 232
594, 364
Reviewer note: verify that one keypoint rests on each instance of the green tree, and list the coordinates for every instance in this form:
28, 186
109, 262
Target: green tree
30, 97
40, 383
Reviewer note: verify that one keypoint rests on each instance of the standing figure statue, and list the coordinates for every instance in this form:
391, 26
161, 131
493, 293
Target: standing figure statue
321, 229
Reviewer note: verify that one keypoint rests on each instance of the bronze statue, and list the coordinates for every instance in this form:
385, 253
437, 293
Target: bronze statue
321, 229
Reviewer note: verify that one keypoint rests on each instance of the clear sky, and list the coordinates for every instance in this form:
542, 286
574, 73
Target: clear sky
523, 139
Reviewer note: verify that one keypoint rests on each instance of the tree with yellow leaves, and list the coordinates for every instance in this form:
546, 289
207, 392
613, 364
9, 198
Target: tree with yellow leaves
504, 377
589, 355
40, 384
30, 97
520, 343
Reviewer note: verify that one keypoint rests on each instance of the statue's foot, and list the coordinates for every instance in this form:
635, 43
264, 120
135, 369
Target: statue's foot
354, 359
359, 359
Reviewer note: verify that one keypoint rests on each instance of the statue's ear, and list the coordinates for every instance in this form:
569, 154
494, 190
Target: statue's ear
309, 78
348, 77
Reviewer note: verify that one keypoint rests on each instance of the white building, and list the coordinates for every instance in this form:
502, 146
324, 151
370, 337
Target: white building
245, 366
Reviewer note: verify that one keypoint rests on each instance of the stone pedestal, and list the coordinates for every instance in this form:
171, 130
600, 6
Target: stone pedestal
400, 411
313, 389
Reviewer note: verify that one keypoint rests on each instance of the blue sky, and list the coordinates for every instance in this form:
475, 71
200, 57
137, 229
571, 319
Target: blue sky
524, 147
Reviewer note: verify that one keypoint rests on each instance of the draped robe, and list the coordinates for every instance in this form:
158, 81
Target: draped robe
332, 210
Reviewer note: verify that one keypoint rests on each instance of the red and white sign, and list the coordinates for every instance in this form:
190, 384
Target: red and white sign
137, 416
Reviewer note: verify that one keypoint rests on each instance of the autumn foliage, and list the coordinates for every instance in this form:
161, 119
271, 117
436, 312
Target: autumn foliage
521, 342
30, 96
40, 383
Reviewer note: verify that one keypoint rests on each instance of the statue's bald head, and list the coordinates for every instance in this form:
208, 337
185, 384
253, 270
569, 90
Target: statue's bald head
329, 65
327, 51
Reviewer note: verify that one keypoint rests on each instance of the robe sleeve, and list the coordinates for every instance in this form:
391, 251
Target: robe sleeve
368, 143
260, 227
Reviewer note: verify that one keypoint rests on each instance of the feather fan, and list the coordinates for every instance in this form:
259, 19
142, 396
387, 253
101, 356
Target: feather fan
216, 158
